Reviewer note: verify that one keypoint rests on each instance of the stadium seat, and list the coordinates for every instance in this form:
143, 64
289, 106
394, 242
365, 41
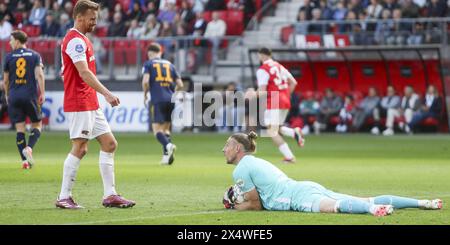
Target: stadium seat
120, 51
235, 22
32, 31
101, 31
286, 33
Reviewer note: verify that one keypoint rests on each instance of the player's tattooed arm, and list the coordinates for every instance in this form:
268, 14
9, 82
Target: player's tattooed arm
251, 201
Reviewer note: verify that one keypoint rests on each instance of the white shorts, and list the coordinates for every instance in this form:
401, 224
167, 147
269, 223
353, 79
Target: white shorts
275, 117
87, 124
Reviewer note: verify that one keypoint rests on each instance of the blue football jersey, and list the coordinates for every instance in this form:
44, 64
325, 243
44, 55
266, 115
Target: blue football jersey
163, 78
20, 65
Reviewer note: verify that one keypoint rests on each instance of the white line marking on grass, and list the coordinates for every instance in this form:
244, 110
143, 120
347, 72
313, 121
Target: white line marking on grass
148, 217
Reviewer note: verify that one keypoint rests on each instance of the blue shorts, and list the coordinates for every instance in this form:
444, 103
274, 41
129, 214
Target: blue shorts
21, 108
161, 112
310, 194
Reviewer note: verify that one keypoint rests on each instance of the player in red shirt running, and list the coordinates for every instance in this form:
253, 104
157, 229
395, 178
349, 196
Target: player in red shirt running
279, 83
86, 120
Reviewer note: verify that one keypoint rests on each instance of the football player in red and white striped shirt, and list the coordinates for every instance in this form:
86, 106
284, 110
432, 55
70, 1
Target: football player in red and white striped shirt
86, 120
279, 83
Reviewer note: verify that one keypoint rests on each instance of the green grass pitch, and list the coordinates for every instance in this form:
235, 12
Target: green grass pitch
190, 191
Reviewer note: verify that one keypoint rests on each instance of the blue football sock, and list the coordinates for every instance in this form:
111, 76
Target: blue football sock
396, 201
34, 136
168, 138
163, 140
353, 206
21, 144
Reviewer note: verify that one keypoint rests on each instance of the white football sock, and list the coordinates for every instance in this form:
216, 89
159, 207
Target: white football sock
106, 163
424, 203
71, 165
287, 131
287, 153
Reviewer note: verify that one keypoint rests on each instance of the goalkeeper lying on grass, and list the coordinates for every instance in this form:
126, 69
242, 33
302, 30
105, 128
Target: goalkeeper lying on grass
260, 185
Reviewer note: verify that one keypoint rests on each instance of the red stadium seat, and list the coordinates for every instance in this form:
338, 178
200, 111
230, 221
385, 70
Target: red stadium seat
286, 33
235, 22
120, 51
32, 31
207, 16
101, 31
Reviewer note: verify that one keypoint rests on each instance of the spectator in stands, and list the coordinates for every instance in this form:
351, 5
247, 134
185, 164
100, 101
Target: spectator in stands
390, 101
5, 29
187, 15
134, 31
117, 27
65, 24
329, 107
216, 5
360, 37
49, 28
309, 107
235, 5
308, 7
346, 114
417, 36
7, 14
340, 12
103, 18
118, 9
316, 28
365, 108
431, 107
198, 6
400, 29
410, 9
384, 27
436, 8
135, 12
151, 28
355, 6
215, 30
68, 8
348, 27
390, 5
168, 13
152, 9
165, 34
56, 10
141, 4
38, 13
163, 4
410, 104
374, 10
200, 25
327, 13
301, 27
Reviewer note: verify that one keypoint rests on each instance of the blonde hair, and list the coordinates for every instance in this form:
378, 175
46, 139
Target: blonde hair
247, 140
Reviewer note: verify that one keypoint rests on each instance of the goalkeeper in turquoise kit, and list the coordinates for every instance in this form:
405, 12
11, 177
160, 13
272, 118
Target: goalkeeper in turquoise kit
260, 185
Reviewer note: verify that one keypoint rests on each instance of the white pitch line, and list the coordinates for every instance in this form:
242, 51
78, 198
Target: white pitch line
144, 218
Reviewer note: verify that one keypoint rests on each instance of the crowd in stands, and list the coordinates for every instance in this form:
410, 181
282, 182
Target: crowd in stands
140, 19
374, 21
352, 113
